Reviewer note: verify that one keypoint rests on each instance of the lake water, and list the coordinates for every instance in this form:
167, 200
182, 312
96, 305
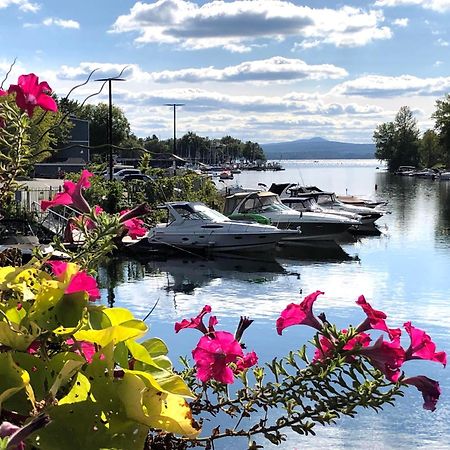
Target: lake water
404, 272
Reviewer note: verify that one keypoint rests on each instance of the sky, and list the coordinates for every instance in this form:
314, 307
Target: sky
260, 70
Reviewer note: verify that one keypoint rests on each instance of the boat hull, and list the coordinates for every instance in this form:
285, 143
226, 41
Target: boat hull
217, 242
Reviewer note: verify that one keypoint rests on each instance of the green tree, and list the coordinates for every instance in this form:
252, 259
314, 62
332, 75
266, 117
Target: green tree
430, 149
442, 125
252, 151
398, 142
98, 126
232, 147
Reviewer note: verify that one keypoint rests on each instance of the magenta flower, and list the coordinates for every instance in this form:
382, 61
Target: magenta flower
75, 280
2, 93
83, 348
72, 194
299, 314
429, 388
7, 429
422, 347
197, 322
213, 354
387, 357
30, 94
249, 360
375, 320
134, 226
326, 350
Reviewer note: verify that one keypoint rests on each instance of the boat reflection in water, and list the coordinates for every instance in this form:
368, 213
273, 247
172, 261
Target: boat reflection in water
188, 271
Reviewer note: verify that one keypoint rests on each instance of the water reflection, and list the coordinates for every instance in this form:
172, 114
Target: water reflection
404, 272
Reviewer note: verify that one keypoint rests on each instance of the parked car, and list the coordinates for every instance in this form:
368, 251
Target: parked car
136, 176
124, 172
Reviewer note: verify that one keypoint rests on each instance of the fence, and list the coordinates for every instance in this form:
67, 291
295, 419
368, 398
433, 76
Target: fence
27, 198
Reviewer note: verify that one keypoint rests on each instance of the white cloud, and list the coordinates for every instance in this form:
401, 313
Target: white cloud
438, 63
235, 25
378, 86
401, 22
435, 5
276, 69
441, 42
23, 5
62, 23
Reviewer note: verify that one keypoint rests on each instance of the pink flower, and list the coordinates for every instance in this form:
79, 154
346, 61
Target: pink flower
30, 93
83, 348
429, 388
375, 320
134, 226
422, 347
72, 194
299, 314
326, 350
213, 355
197, 322
386, 356
249, 360
75, 280
8, 429
2, 93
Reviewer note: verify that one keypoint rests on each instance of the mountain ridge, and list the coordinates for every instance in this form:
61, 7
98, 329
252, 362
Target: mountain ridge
318, 148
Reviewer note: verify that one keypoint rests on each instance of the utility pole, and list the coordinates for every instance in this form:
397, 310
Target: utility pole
109, 129
174, 106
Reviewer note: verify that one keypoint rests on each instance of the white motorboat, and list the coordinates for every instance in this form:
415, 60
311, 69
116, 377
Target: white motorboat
267, 205
296, 197
194, 226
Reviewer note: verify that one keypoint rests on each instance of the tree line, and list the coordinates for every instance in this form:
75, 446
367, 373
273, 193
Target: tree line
399, 143
190, 146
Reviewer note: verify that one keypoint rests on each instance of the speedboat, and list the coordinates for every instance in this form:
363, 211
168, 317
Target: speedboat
295, 197
192, 226
267, 205
351, 200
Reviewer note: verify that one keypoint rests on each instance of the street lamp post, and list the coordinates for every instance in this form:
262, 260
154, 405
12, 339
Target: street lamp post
174, 105
109, 129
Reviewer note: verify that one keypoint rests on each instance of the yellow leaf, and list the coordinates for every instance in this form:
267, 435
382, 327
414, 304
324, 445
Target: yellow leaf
114, 334
155, 409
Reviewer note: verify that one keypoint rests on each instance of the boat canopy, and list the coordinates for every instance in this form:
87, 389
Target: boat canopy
253, 202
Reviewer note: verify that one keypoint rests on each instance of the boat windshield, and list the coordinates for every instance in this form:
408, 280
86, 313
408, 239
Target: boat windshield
263, 204
324, 199
199, 212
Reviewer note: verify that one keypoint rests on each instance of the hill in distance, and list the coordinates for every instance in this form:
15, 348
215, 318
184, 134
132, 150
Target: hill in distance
318, 148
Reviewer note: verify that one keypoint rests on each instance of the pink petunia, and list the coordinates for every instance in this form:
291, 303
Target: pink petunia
299, 314
326, 350
387, 357
30, 94
196, 322
72, 194
7, 429
249, 360
375, 320
83, 348
78, 282
429, 388
134, 226
213, 355
422, 347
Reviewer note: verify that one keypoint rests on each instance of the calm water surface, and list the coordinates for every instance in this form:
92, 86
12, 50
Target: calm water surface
404, 272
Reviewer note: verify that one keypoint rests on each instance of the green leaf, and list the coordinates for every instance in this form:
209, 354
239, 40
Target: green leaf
12, 378
16, 337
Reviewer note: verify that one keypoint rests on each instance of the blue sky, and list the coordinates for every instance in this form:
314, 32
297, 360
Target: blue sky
264, 70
